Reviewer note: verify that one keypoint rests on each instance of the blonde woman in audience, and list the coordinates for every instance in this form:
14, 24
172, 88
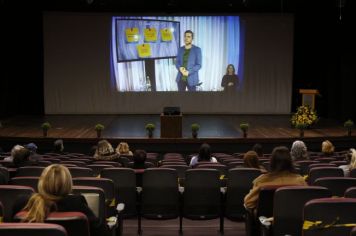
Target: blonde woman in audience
299, 151
327, 148
352, 162
281, 173
251, 161
54, 194
123, 149
105, 152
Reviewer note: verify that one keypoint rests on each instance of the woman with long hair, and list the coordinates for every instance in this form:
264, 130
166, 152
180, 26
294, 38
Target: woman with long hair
54, 194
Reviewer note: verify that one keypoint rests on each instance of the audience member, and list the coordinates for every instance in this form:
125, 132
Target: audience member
22, 158
139, 159
54, 194
13, 151
33, 152
123, 149
327, 148
105, 151
351, 159
281, 173
204, 155
258, 149
58, 146
251, 161
299, 151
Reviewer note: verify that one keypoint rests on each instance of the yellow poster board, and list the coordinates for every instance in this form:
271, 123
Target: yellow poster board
132, 35
150, 34
144, 50
166, 35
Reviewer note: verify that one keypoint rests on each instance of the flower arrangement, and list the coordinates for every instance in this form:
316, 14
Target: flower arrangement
304, 117
349, 124
150, 127
99, 127
46, 126
244, 127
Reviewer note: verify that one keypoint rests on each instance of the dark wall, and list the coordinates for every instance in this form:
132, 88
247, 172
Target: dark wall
21, 83
324, 56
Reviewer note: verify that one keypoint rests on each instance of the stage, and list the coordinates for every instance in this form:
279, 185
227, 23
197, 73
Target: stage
221, 131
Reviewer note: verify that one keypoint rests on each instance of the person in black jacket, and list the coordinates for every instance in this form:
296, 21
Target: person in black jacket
54, 194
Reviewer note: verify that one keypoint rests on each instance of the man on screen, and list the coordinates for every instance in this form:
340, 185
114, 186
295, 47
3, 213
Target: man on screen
188, 64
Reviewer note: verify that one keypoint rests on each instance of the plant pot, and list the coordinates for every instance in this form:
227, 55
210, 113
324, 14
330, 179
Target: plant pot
245, 134
45, 132
98, 133
301, 133
349, 131
194, 134
150, 133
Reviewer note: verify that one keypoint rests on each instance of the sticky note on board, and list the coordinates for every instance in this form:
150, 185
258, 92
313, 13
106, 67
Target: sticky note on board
144, 50
150, 34
166, 35
132, 35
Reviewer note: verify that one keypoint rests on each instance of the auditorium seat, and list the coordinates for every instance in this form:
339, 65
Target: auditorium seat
97, 168
320, 172
75, 223
329, 216
337, 185
125, 188
304, 166
288, 206
181, 169
33, 229
5, 172
1, 212
25, 181
239, 183
77, 163
81, 172
34, 171
8, 197
202, 198
113, 163
350, 192
159, 196
353, 173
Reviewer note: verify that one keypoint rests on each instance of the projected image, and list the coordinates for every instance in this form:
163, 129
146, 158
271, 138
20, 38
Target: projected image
190, 53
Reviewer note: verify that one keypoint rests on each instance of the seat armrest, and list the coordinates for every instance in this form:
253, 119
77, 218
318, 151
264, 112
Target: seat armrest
265, 225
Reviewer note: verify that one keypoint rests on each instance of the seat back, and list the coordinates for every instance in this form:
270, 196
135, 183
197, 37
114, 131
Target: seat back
333, 215
125, 188
5, 172
75, 223
350, 192
239, 183
337, 185
97, 168
8, 198
33, 229
320, 172
34, 171
221, 168
25, 181
202, 197
1, 213
80, 172
288, 206
106, 184
304, 166
160, 195
353, 173
99, 207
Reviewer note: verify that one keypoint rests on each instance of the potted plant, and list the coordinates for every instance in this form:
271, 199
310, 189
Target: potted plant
301, 127
150, 128
195, 128
244, 127
98, 128
45, 127
349, 124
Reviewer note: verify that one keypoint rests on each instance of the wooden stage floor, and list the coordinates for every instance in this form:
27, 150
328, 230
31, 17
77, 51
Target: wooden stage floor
221, 131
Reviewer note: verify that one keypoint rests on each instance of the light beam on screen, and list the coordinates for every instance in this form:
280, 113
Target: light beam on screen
217, 36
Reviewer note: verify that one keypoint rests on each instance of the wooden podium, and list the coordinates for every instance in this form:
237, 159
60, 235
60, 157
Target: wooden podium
308, 97
171, 126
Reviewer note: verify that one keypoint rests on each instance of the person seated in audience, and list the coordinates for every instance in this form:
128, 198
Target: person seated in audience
58, 147
22, 158
281, 173
105, 152
139, 159
33, 152
299, 151
351, 159
123, 149
204, 155
327, 148
54, 194
251, 161
258, 149
13, 151
92, 150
